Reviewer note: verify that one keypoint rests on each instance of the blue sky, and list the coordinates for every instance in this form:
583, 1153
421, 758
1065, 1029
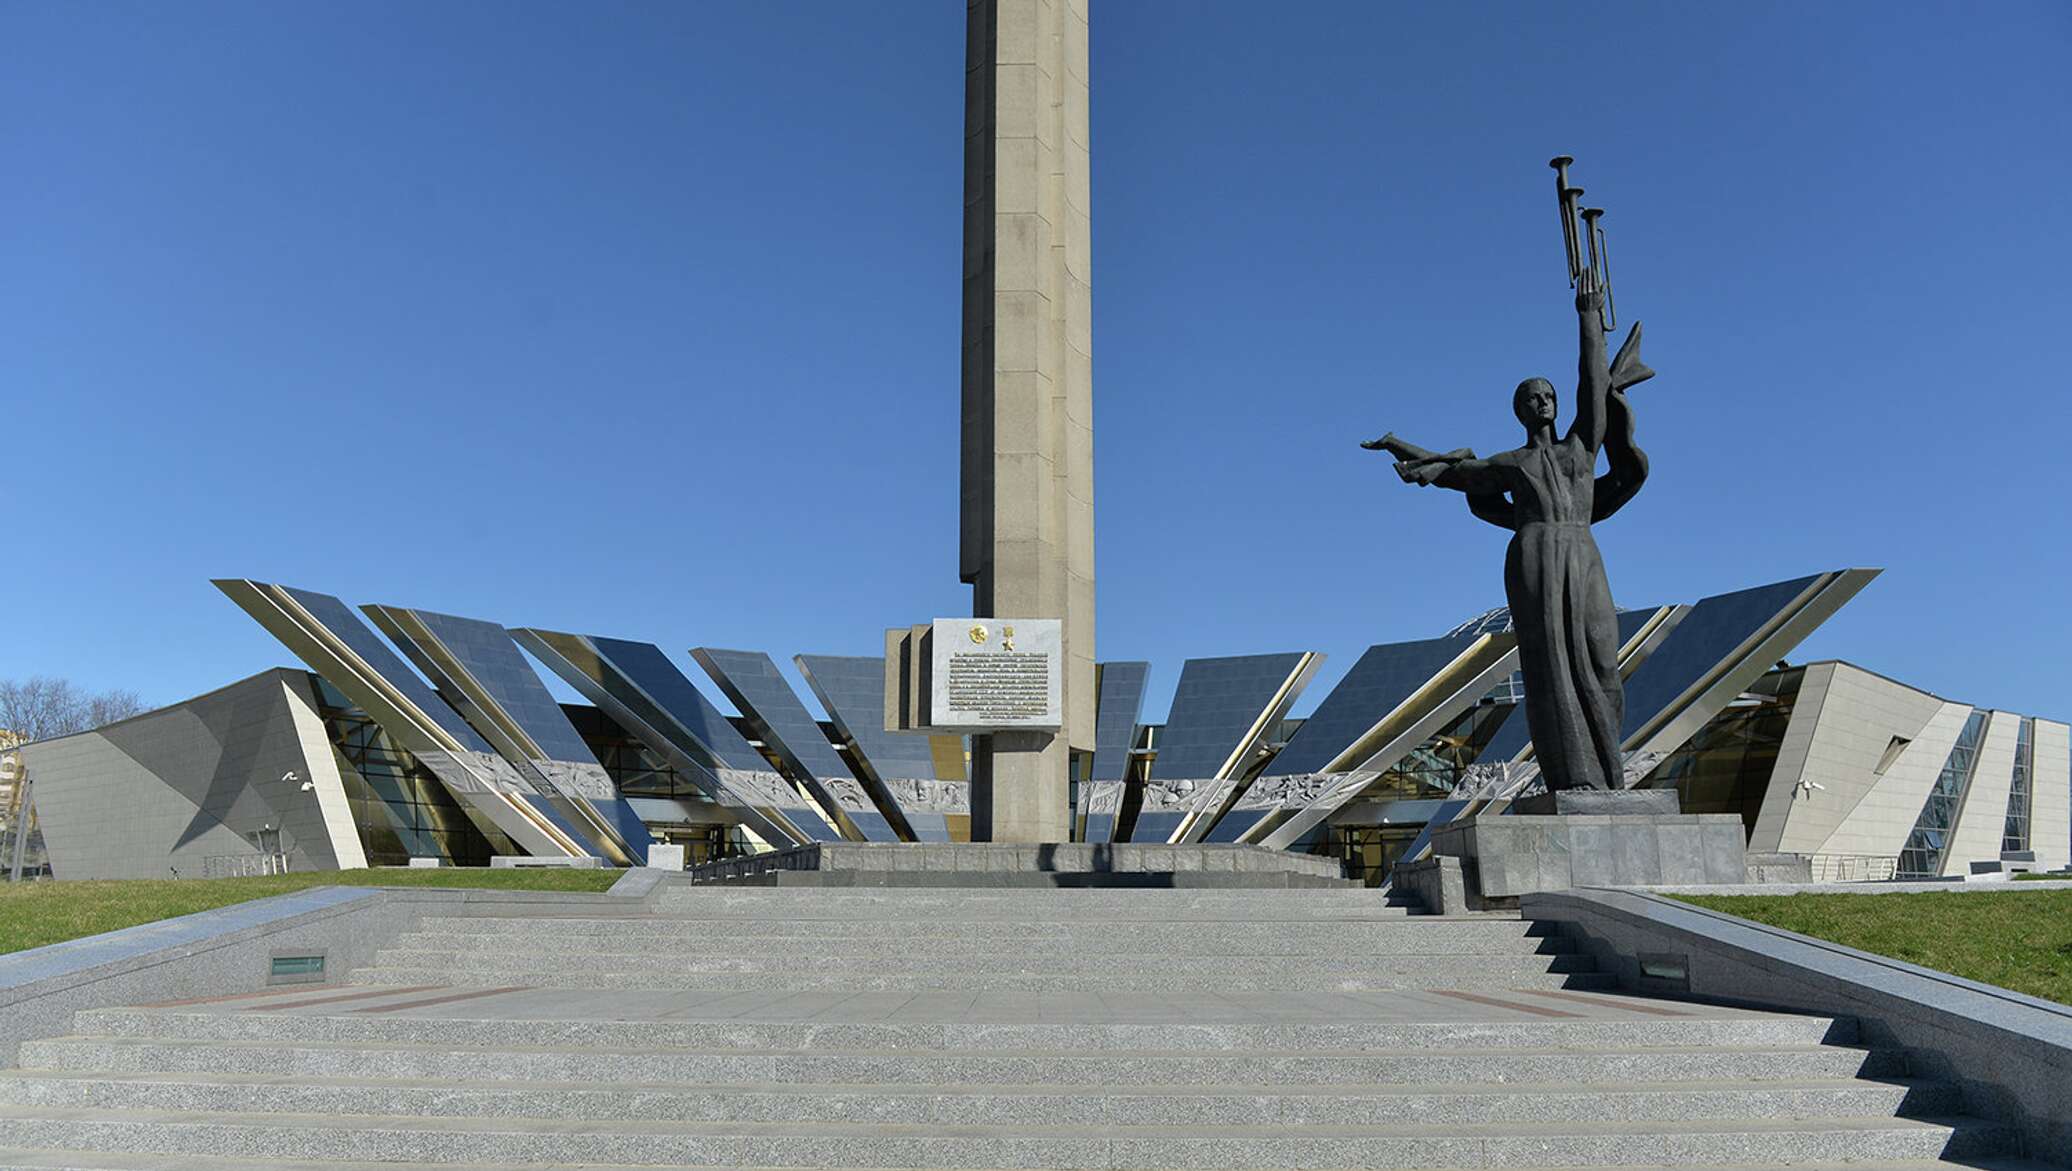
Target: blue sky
642, 319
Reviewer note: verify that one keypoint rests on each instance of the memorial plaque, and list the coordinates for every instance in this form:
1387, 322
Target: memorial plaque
994, 673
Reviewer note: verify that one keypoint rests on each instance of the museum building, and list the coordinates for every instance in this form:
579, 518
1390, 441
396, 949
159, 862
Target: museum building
408, 734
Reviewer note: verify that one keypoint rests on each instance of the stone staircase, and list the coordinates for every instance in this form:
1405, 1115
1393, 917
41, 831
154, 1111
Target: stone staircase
937, 1028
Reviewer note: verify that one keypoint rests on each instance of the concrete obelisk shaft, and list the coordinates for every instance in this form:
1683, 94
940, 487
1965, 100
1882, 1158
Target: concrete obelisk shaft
1027, 461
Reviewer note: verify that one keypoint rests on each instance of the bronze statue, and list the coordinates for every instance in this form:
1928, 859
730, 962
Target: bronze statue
1548, 493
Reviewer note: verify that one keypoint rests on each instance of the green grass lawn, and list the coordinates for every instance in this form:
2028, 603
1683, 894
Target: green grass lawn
33, 914
2016, 939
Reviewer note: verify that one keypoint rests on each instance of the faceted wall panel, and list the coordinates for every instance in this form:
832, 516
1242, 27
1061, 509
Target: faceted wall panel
162, 794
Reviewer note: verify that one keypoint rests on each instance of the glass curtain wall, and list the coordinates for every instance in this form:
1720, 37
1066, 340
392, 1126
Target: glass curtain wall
400, 809
1726, 766
1922, 856
2016, 834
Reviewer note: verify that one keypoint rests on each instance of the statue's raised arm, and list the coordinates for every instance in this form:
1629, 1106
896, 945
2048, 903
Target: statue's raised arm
1594, 372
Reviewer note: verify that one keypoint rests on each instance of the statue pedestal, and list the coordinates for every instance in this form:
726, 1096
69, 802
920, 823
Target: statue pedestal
1486, 862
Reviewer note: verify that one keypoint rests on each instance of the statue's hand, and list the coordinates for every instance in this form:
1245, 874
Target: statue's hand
1380, 444
1588, 296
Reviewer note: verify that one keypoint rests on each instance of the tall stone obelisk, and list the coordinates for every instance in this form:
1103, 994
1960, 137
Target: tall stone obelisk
1027, 542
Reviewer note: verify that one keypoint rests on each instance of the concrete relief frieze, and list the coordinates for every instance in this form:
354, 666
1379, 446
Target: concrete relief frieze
1104, 797
1301, 790
849, 795
918, 795
759, 787
577, 779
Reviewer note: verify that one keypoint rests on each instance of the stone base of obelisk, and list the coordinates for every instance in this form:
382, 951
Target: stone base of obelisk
1559, 841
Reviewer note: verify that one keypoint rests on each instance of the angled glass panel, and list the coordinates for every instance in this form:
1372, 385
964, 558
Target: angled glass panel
639, 688
1710, 633
852, 689
1216, 708
774, 712
1119, 712
492, 661
1217, 702
1384, 677
346, 626
648, 667
752, 682
899, 769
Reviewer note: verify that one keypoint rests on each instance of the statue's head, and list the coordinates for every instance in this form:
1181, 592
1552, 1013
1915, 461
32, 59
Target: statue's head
1534, 403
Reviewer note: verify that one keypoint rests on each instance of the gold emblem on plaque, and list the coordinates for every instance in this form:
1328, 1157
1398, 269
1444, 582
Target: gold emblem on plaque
1007, 638
978, 636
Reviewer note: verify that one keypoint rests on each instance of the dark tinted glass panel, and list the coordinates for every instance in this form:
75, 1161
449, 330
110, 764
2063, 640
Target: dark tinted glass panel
1384, 677
1708, 634
346, 626
852, 688
1215, 704
1120, 708
486, 652
751, 679
646, 665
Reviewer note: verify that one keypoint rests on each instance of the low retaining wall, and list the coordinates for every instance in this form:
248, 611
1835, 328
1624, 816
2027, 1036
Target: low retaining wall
2011, 1053
231, 949
1004, 860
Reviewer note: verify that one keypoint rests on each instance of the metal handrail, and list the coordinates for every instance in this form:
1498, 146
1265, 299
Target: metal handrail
1854, 867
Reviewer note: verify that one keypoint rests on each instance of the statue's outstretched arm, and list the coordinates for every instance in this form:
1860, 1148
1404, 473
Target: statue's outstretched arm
1594, 375
1477, 477
1413, 463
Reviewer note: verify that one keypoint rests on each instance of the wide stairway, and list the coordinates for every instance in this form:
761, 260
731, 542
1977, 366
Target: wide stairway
934, 1028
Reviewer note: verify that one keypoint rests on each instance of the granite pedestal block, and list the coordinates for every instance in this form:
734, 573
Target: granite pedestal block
1503, 856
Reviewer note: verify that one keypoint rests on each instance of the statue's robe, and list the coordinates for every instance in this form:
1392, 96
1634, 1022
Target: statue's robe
1555, 584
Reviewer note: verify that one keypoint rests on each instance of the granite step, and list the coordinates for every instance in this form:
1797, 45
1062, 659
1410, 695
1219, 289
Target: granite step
444, 1141
1077, 905
1351, 933
494, 965
1191, 1034
20, 1159
1290, 944
1634, 1065
1150, 979
1138, 1105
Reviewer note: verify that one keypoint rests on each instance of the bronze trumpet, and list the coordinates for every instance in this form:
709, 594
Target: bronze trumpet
1583, 236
